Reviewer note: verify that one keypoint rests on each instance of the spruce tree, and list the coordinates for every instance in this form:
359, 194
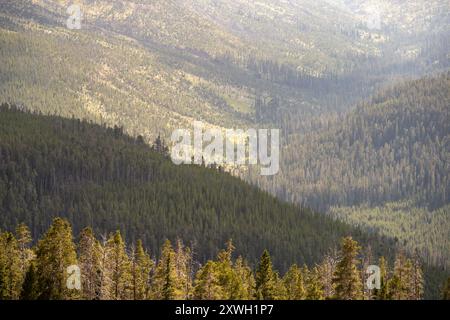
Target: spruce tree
10, 267
416, 279
55, 253
89, 253
119, 265
26, 254
265, 278
30, 289
232, 286
347, 279
165, 281
382, 293
314, 287
207, 283
141, 267
398, 286
184, 270
294, 284
246, 279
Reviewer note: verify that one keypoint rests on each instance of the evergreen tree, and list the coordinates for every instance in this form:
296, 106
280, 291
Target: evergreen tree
246, 279
416, 282
382, 293
327, 269
280, 292
184, 270
26, 254
30, 287
293, 281
55, 253
347, 280
265, 278
314, 287
141, 267
89, 252
10, 267
119, 264
231, 283
398, 284
165, 281
207, 283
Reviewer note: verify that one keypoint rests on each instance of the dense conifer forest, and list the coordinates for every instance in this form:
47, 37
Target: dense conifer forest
108, 269
359, 89
97, 176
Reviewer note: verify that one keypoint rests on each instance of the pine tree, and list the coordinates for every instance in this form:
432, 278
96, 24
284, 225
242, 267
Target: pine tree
232, 286
55, 253
89, 252
246, 279
280, 292
327, 269
119, 265
382, 293
26, 254
265, 278
367, 294
105, 273
416, 281
141, 267
293, 281
347, 279
184, 270
398, 284
165, 282
10, 268
314, 287
30, 287
207, 283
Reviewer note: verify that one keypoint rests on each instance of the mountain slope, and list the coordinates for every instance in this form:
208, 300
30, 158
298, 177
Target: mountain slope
99, 177
391, 152
152, 66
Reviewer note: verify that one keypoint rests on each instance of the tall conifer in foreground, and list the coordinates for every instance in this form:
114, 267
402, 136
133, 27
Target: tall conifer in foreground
141, 266
55, 253
10, 267
294, 284
265, 278
347, 279
165, 282
119, 264
89, 252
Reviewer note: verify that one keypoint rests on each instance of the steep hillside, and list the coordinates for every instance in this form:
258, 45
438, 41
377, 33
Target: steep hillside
152, 66
99, 177
392, 148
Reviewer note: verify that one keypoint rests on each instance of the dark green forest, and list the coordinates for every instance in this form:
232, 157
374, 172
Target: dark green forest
392, 147
383, 166
363, 112
97, 176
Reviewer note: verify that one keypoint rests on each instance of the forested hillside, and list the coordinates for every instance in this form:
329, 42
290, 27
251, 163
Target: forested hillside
360, 90
99, 177
417, 229
392, 148
152, 66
